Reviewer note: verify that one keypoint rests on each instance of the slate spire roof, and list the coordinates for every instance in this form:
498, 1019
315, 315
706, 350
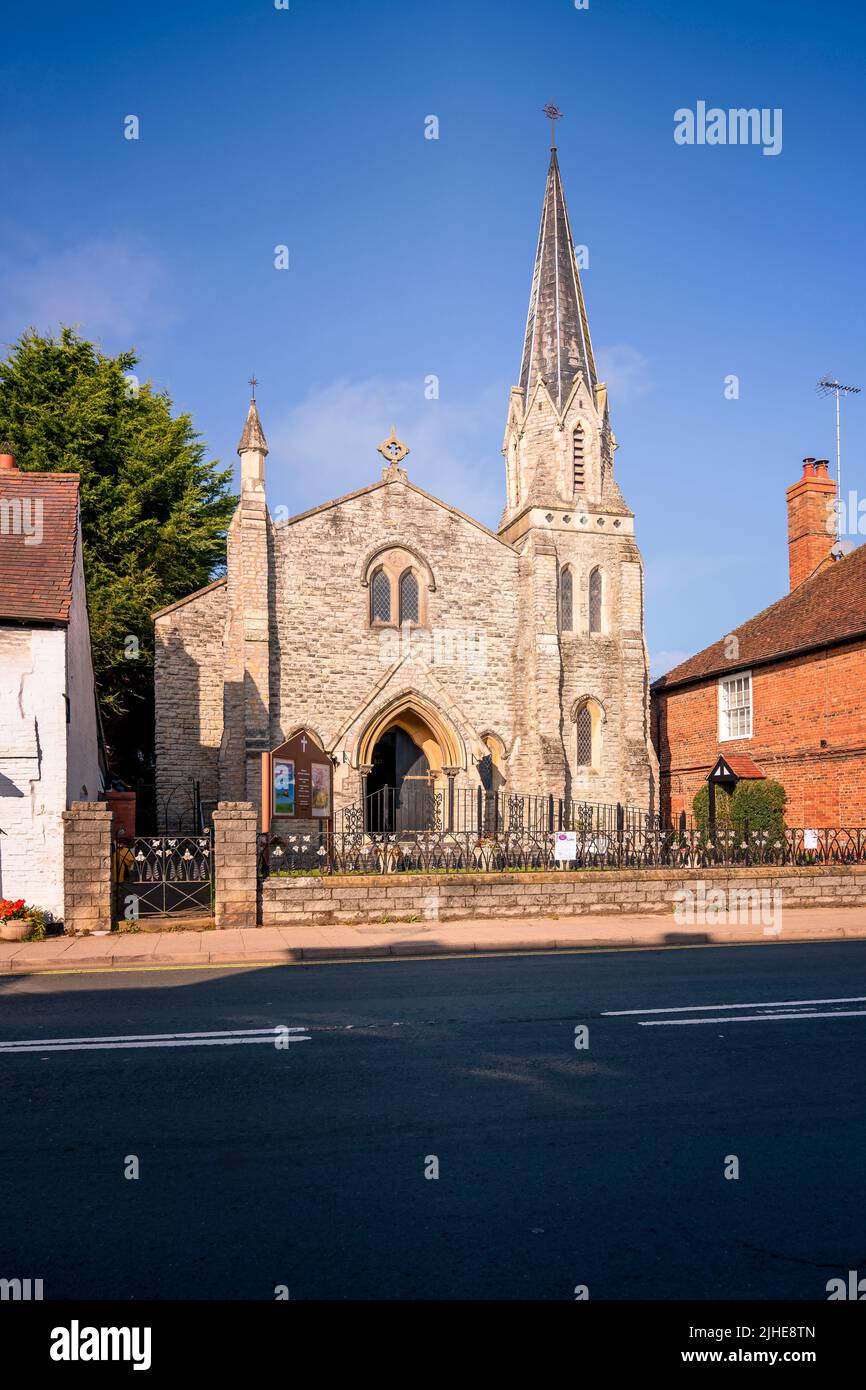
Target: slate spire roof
557, 345
253, 436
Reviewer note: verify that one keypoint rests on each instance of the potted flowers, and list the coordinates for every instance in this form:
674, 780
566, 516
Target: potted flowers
18, 922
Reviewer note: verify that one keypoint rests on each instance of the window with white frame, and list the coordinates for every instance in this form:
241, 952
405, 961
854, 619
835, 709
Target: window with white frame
735, 706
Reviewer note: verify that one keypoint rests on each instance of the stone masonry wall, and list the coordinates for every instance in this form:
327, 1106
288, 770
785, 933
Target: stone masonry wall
454, 897
188, 677
331, 671
235, 864
87, 867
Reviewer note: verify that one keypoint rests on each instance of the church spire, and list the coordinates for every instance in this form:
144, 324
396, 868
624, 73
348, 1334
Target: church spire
253, 436
557, 346
253, 447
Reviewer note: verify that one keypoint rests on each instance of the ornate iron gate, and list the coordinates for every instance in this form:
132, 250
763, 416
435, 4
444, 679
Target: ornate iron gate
163, 875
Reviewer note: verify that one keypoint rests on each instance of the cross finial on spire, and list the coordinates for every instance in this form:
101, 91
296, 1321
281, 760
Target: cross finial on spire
254, 381
553, 114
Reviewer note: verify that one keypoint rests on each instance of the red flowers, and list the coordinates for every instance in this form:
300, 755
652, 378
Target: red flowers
10, 909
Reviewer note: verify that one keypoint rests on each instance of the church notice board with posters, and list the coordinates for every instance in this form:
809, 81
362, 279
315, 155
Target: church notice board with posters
299, 777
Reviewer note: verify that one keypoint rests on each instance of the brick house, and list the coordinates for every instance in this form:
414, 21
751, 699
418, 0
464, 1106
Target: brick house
49, 733
787, 688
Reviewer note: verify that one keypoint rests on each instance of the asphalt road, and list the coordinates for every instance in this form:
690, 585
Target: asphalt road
304, 1165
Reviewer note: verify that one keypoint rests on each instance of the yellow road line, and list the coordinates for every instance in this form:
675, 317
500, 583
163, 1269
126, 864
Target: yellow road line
438, 955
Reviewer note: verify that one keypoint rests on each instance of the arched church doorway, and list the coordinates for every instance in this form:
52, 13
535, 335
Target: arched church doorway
400, 787
408, 751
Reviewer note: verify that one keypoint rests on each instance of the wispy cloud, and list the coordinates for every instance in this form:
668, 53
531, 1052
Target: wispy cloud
326, 445
662, 662
107, 287
624, 370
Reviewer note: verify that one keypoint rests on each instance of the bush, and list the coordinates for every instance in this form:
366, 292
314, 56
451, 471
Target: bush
758, 805
701, 809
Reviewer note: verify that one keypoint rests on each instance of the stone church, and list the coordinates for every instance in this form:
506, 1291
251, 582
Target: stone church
408, 639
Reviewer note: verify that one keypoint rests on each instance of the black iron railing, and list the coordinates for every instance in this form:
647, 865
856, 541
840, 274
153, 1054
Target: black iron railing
624, 847
417, 806
177, 810
162, 874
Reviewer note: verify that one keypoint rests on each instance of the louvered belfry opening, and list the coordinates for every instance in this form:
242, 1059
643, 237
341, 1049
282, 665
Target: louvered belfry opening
578, 459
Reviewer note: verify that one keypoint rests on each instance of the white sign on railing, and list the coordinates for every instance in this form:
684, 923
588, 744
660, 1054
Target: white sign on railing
565, 847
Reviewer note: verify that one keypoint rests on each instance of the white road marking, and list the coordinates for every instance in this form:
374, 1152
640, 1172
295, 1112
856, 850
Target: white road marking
749, 1018
219, 1038
702, 1008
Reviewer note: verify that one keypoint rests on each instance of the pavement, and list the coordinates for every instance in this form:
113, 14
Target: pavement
298, 943
655, 1124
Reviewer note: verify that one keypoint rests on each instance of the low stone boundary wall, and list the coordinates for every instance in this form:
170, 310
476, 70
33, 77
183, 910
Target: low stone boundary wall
354, 898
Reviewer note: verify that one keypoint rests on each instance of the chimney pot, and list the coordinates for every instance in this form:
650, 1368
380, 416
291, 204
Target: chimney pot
811, 520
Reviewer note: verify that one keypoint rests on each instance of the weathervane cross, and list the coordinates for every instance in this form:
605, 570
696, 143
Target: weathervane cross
553, 114
254, 381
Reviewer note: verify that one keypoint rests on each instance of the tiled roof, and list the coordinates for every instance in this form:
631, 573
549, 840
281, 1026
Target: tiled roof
742, 765
36, 574
823, 611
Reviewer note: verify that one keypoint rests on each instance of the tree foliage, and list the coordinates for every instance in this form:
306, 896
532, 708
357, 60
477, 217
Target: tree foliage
153, 511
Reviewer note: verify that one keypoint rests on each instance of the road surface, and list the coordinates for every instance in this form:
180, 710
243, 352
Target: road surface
303, 1165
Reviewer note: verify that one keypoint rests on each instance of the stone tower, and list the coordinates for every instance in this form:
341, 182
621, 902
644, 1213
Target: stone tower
246, 689
582, 669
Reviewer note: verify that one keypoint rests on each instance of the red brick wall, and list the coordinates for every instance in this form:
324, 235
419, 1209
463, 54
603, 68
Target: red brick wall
811, 520
795, 704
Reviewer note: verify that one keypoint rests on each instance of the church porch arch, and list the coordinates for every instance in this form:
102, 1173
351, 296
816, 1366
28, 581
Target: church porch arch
408, 755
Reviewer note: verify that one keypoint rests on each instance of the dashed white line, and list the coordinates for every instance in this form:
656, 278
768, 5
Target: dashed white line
748, 1018
703, 1008
219, 1038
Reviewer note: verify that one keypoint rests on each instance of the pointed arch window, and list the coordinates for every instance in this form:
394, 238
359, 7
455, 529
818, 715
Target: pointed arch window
584, 736
578, 459
410, 605
588, 718
380, 597
595, 596
399, 582
566, 600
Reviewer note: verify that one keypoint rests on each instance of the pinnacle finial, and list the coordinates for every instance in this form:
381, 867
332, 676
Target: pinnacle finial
253, 436
553, 114
392, 448
253, 382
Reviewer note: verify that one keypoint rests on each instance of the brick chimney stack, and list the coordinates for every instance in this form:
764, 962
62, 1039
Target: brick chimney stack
7, 458
811, 520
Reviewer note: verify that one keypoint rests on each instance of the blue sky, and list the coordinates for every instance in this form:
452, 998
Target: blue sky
410, 257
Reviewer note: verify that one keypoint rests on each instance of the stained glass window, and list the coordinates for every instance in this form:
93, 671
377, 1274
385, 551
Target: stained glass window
566, 600
380, 597
410, 609
595, 601
584, 737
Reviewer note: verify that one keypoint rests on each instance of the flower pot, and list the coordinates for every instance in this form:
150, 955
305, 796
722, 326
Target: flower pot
14, 928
